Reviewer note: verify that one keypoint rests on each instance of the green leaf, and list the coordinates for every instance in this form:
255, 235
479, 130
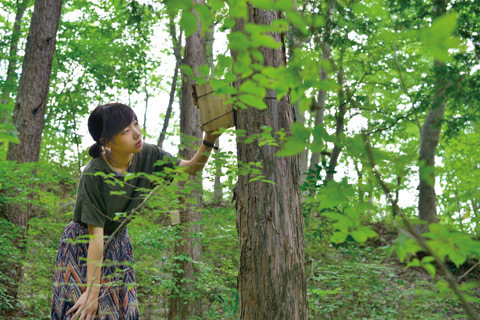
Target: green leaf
414, 263
328, 85
427, 259
438, 39
338, 237
430, 269
186, 69
363, 233
253, 101
206, 16
318, 134
238, 9
297, 20
457, 256
251, 87
296, 143
9, 137
243, 64
445, 24
129, 176
238, 41
188, 22
204, 69
177, 5
260, 40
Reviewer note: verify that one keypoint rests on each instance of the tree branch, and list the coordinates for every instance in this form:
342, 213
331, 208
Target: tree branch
420, 240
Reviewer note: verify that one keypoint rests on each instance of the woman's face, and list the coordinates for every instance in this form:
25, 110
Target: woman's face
128, 140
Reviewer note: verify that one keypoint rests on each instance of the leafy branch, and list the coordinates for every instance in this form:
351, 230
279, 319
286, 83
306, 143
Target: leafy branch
420, 240
130, 213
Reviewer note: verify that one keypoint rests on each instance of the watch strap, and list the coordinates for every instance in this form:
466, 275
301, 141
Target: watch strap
210, 145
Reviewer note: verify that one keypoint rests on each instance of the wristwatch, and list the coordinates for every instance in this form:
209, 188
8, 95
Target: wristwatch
210, 145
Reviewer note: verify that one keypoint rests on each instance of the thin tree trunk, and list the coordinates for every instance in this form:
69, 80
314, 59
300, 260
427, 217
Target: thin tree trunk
295, 41
147, 96
322, 94
177, 50
217, 186
429, 137
28, 118
190, 215
475, 209
75, 135
271, 278
361, 192
9, 85
339, 126
457, 202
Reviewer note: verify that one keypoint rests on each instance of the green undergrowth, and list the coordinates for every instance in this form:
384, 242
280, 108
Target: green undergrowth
356, 281
345, 281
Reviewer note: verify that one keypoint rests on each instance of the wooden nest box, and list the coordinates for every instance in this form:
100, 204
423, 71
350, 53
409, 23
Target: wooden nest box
215, 113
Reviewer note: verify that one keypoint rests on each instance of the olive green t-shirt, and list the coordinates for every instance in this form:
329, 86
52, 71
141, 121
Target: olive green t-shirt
94, 203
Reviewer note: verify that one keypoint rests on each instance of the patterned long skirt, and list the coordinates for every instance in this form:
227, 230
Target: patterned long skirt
117, 298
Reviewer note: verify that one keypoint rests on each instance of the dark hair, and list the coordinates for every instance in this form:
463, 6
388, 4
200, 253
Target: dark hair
105, 122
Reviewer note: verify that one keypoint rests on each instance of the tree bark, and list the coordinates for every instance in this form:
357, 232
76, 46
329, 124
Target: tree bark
271, 277
295, 40
429, 137
147, 97
190, 215
28, 117
9, 85
339, 127
217, 185
322, 94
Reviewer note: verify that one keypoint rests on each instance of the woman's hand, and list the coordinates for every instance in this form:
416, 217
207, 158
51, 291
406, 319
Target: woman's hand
91, 306
211, 137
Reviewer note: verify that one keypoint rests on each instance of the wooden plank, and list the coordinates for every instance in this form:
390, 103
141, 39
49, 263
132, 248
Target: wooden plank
212, 106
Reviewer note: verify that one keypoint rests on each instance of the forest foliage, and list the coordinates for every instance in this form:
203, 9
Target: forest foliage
387, 61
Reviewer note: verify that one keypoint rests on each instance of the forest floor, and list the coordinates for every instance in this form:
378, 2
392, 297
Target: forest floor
347, 281
361, 281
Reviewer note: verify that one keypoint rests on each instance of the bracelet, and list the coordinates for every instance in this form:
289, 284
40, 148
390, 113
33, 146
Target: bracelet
210, 145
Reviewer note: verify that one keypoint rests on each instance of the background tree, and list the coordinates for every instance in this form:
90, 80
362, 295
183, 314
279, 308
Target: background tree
9, 85
356, 240
28, 118
190, 213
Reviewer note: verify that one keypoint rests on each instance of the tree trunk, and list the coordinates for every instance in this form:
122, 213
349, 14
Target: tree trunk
190, 215
217, 186
9, 85
271, 277
322, 94
177, 50
28, 117
429, 137
339, 126
147, 97
295, 40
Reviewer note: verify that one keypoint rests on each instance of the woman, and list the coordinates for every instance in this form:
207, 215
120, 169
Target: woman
81, 289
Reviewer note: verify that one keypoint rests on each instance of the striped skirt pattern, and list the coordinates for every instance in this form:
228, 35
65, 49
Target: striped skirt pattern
118, 293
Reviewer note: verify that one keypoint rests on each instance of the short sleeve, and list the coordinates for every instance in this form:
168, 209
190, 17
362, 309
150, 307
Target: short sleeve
90, 207
164, 159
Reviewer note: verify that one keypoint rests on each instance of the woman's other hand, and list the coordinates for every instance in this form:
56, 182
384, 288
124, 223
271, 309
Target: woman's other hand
91, 306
